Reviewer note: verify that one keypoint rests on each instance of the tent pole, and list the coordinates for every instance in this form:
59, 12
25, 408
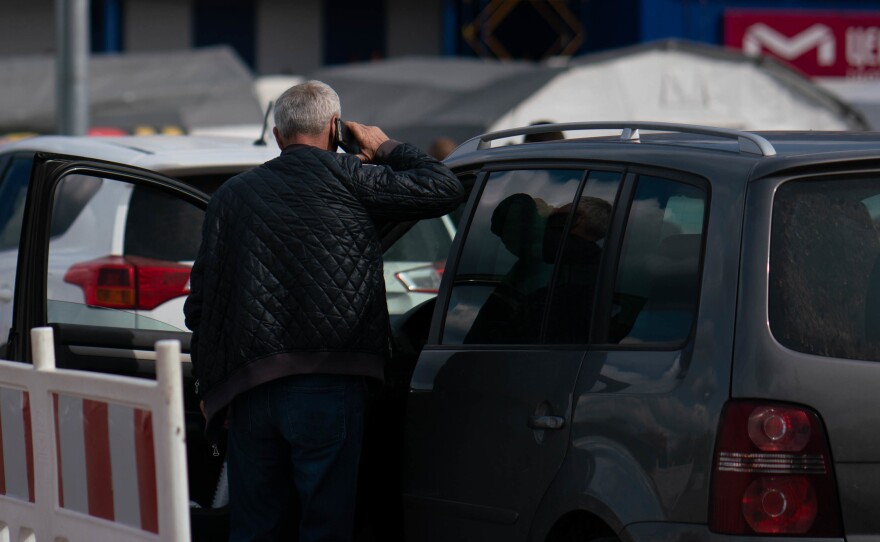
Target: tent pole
72, 69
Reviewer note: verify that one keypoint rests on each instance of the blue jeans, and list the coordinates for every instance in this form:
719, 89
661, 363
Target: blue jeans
293, 452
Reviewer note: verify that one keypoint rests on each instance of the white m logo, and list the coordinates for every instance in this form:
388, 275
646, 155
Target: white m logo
819, 36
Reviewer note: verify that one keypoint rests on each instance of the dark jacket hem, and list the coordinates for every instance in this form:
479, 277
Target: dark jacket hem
285, 364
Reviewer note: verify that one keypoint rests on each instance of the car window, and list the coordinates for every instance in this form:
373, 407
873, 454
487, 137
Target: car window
657, 283
582, 245
500, 286
13, 191
414, 264
427, 241
824, 282
65, 311
70, 201
153, 216
130, 248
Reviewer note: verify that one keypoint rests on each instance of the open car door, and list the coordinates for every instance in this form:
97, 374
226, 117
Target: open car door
104, 260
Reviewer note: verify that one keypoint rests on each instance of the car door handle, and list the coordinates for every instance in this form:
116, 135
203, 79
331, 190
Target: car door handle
5, 293
546, 422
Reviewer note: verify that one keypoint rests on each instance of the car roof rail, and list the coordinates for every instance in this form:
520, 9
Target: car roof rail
748, 142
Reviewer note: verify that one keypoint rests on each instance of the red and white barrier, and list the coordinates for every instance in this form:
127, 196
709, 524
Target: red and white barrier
88, 456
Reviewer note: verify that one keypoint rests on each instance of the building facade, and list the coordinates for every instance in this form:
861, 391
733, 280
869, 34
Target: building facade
298, 36
271, 36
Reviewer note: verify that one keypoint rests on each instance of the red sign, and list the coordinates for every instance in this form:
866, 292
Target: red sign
818, 43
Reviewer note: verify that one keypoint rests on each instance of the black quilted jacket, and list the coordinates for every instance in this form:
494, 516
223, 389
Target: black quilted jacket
288, 279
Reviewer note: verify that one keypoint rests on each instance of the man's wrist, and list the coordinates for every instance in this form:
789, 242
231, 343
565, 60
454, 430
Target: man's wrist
385, 149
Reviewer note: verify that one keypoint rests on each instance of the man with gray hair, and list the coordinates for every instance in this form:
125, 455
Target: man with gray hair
288, 311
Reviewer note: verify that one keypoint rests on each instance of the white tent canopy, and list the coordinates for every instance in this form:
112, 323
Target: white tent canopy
672, 81
862, 94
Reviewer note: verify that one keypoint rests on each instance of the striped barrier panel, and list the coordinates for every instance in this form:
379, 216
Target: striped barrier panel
87, 456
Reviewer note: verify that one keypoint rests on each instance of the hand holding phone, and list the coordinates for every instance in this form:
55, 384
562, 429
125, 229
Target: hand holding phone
369, 139
346, 139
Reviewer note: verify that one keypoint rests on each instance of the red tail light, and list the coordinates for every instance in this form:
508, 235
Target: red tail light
129, 282
772, 473
425, 278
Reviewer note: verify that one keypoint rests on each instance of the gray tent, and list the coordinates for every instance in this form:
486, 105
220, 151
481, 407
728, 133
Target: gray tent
421, 98
187, 89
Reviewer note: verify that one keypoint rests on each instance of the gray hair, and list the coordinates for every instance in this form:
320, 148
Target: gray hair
306, 109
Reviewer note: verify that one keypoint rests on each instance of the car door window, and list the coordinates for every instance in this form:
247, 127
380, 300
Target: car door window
414, 264
501, 284
657, 283
125, 259
582, 246
161, 226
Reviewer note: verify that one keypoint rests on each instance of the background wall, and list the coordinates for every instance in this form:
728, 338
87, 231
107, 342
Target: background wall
298, 36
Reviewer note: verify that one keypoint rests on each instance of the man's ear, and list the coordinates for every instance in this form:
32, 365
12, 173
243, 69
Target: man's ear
278, 139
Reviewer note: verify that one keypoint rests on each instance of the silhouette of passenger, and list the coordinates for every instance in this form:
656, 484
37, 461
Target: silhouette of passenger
519, 221
578, 273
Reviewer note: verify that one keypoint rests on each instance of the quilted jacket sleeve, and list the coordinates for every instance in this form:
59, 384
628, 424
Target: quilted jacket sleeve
192, 309
406, 184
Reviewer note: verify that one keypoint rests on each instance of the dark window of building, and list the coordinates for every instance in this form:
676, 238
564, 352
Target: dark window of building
227, 22
354, 31
107, 26
518, 29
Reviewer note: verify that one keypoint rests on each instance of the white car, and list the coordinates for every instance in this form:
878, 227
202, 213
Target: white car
129, 247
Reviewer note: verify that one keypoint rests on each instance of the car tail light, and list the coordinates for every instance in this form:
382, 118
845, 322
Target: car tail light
772, 473
425, 278
129, 282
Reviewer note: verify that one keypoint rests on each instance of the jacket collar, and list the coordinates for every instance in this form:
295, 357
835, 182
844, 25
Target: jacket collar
293, 148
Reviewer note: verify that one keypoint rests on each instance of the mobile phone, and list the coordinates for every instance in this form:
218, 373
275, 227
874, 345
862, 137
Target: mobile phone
346, 139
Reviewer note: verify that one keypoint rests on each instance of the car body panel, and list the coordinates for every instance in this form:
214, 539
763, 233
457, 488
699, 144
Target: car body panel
647, 418
843, 392
645, 421
480, 462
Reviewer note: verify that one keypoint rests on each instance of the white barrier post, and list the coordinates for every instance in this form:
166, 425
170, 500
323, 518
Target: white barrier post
171, 444
42, 431
43, 345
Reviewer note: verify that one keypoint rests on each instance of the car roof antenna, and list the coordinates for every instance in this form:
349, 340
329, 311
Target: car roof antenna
262, 141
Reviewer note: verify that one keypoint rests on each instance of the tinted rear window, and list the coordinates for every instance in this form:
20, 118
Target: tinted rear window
164, 227
824, 294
